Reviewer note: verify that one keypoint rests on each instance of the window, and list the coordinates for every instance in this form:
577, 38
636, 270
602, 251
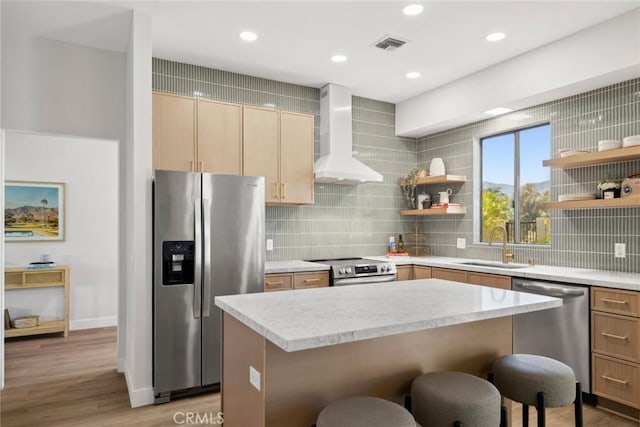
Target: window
515, 185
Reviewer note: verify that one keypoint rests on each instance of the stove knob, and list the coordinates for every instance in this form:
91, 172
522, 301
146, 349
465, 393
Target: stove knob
341, 271
349, 270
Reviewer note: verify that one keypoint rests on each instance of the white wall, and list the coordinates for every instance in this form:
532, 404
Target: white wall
89, 167
138, 172
62, 88
604, 54
1, 224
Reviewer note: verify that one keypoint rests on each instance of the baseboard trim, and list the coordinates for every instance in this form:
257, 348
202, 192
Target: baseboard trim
98, 322
140, 397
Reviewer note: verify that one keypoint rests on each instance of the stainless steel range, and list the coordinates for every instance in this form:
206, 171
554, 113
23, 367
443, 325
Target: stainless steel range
358, 271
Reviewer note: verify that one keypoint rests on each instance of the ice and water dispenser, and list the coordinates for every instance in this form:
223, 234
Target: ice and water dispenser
178, 262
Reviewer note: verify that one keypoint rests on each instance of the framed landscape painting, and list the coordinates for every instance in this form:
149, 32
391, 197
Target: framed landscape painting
34, 211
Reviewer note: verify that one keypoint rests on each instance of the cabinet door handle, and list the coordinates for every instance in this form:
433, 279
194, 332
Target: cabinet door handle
191, 166
618, 337
274, 283
201, 166
284, 191
275, 193
311, 280
615, 380
614, 301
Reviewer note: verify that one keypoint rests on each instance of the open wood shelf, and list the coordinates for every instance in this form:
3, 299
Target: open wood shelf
33, 285
595, 158
452, 210
43, 328
440, 179
627, 202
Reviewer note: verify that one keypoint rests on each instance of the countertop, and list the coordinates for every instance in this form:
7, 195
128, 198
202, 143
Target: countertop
579, 276
293, 266
312, 318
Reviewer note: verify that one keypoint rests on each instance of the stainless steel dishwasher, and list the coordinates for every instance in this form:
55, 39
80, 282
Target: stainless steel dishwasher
561, 333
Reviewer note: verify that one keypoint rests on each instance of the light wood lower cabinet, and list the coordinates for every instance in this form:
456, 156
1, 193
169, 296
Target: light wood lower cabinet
421, 272
278, 282
404, 272
448, 274
491, 280
483, 279
302, 280
615, 344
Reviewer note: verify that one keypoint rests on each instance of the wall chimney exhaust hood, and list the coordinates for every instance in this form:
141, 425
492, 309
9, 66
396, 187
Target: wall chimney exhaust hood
336, 164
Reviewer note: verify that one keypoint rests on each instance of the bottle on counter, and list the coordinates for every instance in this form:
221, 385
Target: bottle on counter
392, 244
400, 244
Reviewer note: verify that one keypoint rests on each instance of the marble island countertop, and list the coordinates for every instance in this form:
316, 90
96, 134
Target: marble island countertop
311, 318
580, 276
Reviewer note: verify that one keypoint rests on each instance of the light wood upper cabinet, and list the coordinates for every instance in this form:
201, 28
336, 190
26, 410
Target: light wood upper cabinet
219, 142
192, 134
174, 127
261, 153
279, 146
296, 158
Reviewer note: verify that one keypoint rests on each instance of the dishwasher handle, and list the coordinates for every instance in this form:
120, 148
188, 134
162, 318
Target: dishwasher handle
549, 289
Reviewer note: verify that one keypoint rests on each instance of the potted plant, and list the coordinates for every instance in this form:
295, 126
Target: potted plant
609, 188
408, 185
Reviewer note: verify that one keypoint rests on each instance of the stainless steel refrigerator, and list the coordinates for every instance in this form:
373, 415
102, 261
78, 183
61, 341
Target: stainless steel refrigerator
208, 233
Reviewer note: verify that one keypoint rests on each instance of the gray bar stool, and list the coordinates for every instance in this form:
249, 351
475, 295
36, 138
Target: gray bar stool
539, 381
364, 411
440, 399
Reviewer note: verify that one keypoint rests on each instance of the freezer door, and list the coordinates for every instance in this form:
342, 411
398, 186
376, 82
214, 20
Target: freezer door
234, 254
177, 281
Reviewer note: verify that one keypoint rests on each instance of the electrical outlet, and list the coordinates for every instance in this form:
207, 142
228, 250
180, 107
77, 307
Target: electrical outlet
620, 250
269, 244
254, 377
461, 243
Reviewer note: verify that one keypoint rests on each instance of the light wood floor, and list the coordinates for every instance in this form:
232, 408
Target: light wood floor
53, 381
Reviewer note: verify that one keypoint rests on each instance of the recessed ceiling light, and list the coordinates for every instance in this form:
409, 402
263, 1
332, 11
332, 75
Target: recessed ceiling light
338, 58
413, 75
248, 36
494, 37
497, 111
413, 9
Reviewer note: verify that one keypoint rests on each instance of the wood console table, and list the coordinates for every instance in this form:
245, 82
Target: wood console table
23, 278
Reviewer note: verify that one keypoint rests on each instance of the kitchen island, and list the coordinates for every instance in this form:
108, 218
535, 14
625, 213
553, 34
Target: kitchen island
288, 354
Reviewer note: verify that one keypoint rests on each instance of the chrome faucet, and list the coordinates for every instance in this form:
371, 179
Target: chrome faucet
506, 255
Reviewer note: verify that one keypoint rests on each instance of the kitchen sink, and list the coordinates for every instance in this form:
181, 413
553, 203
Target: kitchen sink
494, 264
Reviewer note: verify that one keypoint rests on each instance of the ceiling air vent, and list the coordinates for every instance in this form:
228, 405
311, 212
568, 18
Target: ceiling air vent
389, 43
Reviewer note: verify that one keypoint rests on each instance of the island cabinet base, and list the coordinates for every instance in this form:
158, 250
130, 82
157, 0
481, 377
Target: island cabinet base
295, 386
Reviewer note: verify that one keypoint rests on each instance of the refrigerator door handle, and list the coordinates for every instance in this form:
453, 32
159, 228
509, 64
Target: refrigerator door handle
197, 281
206, 298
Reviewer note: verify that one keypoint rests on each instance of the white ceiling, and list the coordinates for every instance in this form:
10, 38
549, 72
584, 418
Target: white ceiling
297, 39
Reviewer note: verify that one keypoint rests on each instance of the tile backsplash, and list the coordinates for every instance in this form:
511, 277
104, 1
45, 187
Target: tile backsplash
582, 238
345, 220
358, 220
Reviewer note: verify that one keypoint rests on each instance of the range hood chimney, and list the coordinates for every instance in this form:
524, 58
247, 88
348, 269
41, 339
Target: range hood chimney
336, 164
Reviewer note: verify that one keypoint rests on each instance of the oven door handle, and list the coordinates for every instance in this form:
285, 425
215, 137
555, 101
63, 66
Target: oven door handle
549, 290
365, 280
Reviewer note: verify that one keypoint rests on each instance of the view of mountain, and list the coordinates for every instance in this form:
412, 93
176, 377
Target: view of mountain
36, 212
540, 187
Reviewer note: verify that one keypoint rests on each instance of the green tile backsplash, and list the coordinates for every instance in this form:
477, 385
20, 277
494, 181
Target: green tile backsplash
580, 238
345, 220
358, 220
